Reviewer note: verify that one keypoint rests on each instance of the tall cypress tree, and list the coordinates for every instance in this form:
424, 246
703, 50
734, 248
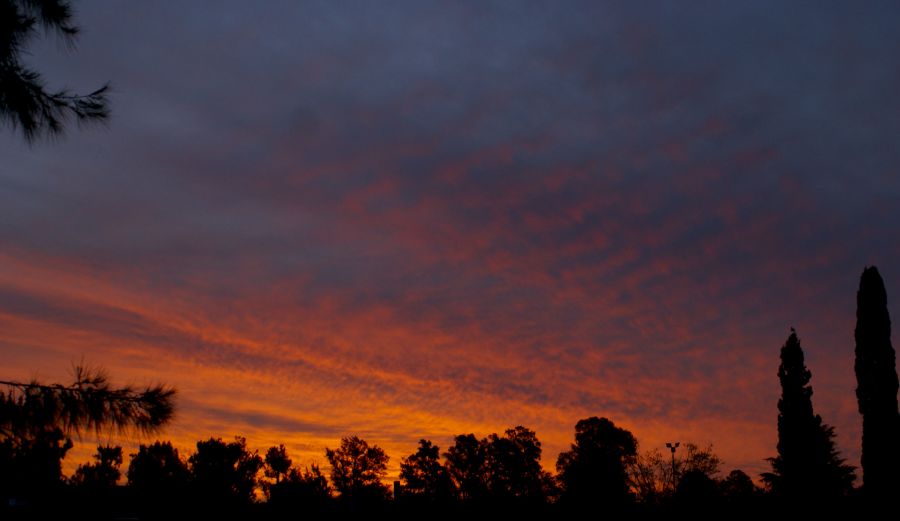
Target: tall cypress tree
876, 388
807, 466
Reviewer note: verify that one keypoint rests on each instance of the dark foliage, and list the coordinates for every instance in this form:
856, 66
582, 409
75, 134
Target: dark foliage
158, 476
698, 459
25, 104
37, 420
738, 487
654, 477
307, 491
32, 465
90, 403
876, 391
103, 472
467, 466
595, 470
808, 466
293, 490
513, 467
357, 470
225, 473
423, 477
496, 476
697, 492
277, 463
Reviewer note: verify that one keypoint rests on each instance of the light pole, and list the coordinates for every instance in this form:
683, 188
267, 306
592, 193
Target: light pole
672, 447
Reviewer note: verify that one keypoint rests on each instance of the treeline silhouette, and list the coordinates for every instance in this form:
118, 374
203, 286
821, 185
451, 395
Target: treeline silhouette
500, 473
602, 474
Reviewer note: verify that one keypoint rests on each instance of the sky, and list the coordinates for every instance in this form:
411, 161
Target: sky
408, 220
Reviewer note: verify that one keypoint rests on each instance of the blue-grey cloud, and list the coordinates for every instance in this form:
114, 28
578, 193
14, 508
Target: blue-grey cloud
422, 203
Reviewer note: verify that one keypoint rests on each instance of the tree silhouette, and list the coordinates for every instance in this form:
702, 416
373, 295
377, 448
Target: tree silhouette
513, 466
467, 466
103, 472
225, 473
293, 489
651, 474
649, 477
32, 465
807, 466
738, 487
36, 421
357, 470
305, 490
876, 390
277, 463
698, 459
158, 480
157, 470
423, 476
594, 471
697, 493
24, 102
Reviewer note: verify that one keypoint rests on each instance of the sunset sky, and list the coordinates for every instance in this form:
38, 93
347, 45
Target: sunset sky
421, 219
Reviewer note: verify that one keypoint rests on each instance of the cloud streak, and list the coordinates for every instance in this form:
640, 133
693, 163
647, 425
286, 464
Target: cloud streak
315, 224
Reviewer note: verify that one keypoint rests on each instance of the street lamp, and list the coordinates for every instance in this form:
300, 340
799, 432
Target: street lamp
672, 447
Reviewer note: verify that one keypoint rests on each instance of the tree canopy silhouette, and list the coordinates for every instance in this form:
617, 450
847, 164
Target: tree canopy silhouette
466, 464
808, 465
876, 390
357, 469
277, 463
157, 470
25, 103
103, 472
697, 492
653, 477
299, 489
37, 420
423, 476
738, 487
698, 459
649, 477
513, 466
32, 463
594, 470
293, 489
225, 472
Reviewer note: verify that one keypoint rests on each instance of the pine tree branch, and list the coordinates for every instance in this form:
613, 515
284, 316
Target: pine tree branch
25, 103
88, 404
